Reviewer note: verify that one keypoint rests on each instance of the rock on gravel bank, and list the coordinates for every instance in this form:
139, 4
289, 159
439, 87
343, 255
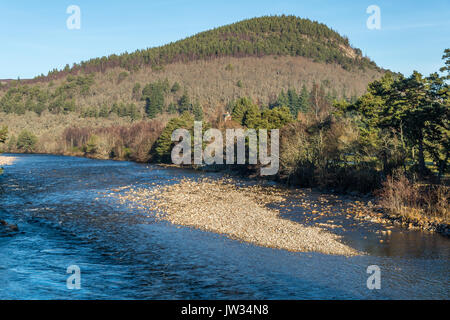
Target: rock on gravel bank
238, 212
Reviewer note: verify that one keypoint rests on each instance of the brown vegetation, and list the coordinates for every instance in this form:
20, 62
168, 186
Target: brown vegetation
132, 142
418, 203
213, 85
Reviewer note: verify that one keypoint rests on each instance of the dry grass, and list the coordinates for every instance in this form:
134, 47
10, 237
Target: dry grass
421, 203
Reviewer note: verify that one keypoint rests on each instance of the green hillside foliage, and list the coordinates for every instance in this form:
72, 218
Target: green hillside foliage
26, 142
405, 120
163, 146
21, 98
249, 115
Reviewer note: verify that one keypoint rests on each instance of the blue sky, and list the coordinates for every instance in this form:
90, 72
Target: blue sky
35, 38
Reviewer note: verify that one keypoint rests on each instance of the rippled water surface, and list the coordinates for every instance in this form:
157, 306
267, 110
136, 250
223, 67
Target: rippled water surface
64, 220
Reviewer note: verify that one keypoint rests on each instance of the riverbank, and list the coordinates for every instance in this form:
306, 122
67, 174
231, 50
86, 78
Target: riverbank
375, 212
6, 160
239, 212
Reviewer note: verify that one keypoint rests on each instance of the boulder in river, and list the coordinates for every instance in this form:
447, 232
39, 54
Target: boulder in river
6, 227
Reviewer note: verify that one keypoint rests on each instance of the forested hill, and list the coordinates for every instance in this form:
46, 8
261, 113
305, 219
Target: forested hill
281, 61
271, 35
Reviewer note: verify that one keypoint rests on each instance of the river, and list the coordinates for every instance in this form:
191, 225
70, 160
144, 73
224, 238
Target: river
64, 220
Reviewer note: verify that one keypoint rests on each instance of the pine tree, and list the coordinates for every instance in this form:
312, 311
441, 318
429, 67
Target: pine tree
151, 108
252, 117
293, 102
162, 148
437, 131
26, 141
446, 68
304, 99
283, 100
184, 103
411, 108
239, 109
197, 110
153, 94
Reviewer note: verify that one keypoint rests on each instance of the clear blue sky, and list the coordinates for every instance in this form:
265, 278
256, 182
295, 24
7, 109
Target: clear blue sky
34, 37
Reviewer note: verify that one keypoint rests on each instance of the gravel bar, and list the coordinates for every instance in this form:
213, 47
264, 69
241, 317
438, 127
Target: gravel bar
239, 212
6, 161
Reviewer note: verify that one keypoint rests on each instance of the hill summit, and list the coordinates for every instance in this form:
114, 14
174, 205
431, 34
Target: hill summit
256, 37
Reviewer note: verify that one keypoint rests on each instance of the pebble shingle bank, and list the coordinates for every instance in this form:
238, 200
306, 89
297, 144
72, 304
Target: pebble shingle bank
239, 212
6, 161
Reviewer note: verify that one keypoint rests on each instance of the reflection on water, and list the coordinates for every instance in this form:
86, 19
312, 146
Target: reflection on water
64, 220
373, 238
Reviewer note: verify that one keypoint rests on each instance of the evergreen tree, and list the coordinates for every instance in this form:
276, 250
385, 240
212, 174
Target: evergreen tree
151, 107
283, 100
411, 108
162, 148
184, 104
304, 99
252, 117
248, 114
26, 141
276, 118
133, 112
239, 109
197, 110
153, 93
437, 131
293, 102
446, 67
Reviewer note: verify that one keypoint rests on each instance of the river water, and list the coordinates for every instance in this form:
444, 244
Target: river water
64, 220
